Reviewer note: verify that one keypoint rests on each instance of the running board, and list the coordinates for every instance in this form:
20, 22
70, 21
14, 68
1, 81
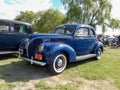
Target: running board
83, 57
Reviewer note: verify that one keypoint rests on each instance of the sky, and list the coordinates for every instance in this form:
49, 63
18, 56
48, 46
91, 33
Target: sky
9, 9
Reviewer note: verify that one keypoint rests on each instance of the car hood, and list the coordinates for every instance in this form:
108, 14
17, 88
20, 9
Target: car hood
53, 37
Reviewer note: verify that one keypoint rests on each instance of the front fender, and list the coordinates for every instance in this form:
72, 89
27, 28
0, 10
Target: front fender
56, 48
23, 43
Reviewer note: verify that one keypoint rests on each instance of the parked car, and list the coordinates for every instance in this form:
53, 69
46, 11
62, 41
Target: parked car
68, 43
12, 33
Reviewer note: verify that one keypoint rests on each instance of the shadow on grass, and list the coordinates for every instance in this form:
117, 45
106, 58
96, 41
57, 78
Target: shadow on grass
23, 71
8, 56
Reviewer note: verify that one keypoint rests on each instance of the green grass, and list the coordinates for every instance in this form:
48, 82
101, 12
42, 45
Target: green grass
106, 68
13, 71
6, 86
42, 85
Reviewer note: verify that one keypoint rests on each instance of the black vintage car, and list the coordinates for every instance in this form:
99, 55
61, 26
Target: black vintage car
12, 33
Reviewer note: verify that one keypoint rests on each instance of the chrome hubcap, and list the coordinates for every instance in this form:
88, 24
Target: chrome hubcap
60, 63
99, 53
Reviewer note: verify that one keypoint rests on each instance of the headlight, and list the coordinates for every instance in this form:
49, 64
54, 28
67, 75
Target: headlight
41, 47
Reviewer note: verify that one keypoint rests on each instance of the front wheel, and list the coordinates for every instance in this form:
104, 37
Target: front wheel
98, 54
58, 64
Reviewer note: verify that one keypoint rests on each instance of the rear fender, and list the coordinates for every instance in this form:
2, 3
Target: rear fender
99, 45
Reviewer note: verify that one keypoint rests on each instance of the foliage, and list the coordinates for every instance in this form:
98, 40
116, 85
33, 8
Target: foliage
26, 16
42, 21
114, 23
46, 21
93, 12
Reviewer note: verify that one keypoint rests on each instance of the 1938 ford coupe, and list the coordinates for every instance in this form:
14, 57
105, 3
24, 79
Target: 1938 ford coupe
68, 43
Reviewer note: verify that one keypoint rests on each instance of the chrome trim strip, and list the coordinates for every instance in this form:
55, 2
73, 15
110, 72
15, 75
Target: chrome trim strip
26, 47
83, 57
33, 61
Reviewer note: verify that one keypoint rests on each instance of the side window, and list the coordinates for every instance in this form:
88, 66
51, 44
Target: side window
91, 33
4, 28
28, 29
82, 32
60, 31
68, 32
16, 28
22, 29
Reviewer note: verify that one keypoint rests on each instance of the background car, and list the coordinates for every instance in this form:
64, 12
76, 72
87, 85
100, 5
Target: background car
12, 33
68, 43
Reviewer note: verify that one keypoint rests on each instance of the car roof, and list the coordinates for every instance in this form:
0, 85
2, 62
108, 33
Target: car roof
78, 25
7, 21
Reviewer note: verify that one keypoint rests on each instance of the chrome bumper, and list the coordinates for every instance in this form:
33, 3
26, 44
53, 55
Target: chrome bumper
33, 61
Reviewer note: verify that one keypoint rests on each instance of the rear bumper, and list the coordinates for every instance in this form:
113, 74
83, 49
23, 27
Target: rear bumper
33, 61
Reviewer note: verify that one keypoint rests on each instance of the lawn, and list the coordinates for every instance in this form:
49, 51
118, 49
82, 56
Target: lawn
90, 74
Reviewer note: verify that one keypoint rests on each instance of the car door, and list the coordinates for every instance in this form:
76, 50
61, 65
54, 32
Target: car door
17, 34
81, 40
4, 36
92, 39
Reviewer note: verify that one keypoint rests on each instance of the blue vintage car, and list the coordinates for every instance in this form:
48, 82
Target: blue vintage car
68, 43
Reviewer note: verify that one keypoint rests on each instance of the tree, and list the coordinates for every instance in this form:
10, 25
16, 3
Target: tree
46, 21
92, 12
26, 16
114, 23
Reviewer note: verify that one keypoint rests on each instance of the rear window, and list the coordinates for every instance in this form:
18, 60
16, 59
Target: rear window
4, 28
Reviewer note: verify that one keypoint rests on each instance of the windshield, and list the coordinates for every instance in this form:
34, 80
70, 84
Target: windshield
68, 29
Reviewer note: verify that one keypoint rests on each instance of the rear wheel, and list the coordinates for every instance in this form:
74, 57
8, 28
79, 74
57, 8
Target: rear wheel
58, 64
